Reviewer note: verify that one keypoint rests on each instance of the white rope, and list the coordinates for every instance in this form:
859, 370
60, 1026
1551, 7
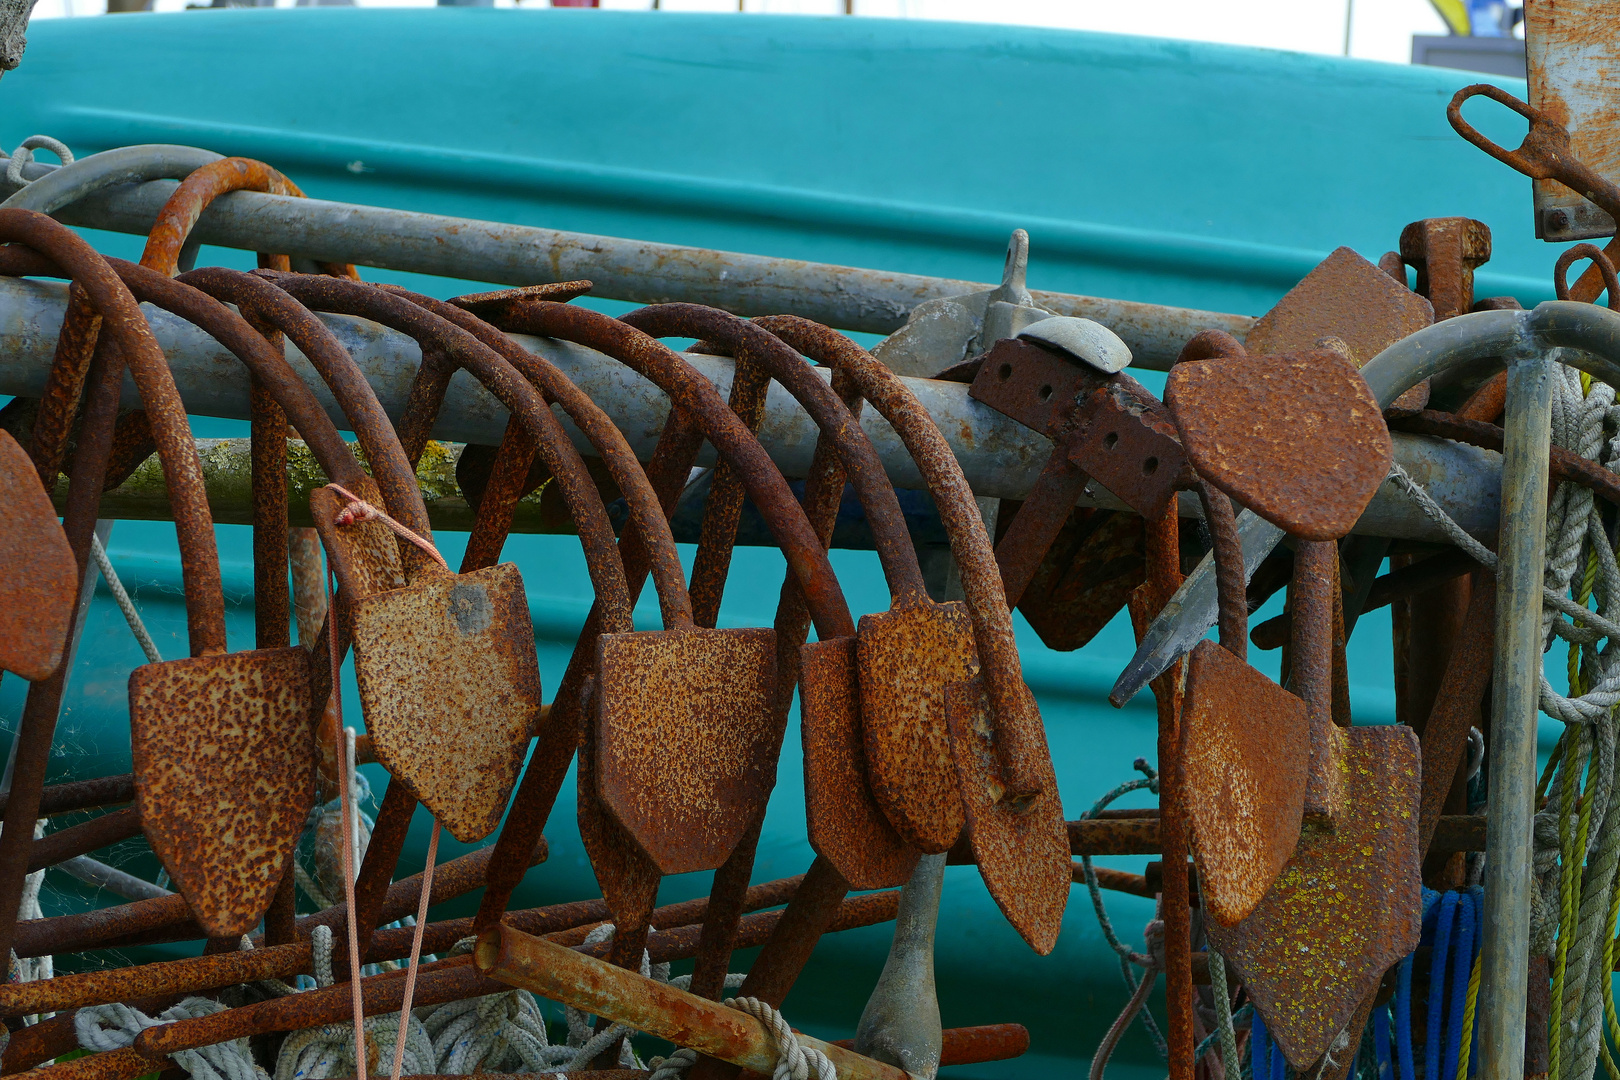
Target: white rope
125, 604
793, 1061
25, 153
113, 1027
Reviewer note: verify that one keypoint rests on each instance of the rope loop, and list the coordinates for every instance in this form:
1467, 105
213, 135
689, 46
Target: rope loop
360, 510
25, 154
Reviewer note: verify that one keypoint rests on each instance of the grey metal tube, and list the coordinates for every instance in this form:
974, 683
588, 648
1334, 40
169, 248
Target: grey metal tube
1505, 955
64, 185
1000, 457
849, 298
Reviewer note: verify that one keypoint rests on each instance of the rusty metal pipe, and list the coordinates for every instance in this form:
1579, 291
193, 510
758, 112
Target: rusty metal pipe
656, 1008
84, 838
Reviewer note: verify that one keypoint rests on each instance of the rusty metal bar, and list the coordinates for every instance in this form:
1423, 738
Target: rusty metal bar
656, 1008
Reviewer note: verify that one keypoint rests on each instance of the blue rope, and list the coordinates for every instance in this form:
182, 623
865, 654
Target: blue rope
1476, 895
1259, 1048
1381, 1051
1434, 1041
1461, 967
1403, 1003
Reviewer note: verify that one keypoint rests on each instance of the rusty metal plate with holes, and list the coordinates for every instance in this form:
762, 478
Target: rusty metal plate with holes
364, 555
1125, 439
1245, 755
904, 659
1109, 425
224, 759
39, 579
1300, 439
1022, 850
1031, 383
1572, 49
846, 827
1345, 297
1346, 907
686, 741
451, 690
1088, 575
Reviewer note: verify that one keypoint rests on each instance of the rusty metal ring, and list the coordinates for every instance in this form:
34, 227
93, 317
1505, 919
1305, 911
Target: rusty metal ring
111, 299
231, 330
515, 392
1600, 260
167, 239
694, 394
754, 344
355, 396
1212, 345
647, 517
1530, 158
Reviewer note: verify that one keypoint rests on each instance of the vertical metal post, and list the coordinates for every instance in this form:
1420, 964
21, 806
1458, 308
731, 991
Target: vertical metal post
1506, 952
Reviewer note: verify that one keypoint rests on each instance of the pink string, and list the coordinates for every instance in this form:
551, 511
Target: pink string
416, 952
359, 510
348, 838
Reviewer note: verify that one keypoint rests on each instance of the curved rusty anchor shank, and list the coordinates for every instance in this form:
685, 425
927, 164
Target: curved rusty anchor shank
699, 412
136, 347
629, 878
1004, 768
859, 840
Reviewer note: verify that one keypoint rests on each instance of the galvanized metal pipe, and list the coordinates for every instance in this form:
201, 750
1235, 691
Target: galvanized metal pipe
850, 298
1505, 955
1000, 458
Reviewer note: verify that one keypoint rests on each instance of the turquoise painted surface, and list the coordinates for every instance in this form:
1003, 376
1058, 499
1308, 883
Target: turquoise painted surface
1152, 170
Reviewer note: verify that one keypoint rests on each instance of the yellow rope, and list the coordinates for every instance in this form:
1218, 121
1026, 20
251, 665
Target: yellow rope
1566, 917
1468, 1021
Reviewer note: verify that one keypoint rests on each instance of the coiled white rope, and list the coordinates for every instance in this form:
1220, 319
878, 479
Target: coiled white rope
113, 1027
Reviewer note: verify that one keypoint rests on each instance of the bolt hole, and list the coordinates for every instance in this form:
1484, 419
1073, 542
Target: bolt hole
1110, 440
1004, 372
1046, 393
1150, 466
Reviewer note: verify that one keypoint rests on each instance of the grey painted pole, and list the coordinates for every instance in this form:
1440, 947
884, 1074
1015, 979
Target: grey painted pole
1505, 958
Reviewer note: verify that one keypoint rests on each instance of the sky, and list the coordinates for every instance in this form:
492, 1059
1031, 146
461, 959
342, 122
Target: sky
1379, 29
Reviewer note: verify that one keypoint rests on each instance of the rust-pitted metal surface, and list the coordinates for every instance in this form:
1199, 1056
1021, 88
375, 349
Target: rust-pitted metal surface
39, 580
1022, 848
845, 824
1345, 297
1087, 576
1345, 908
1300, 440
1548, 156
222, 755
696, 702
1245, 751
1446, 252
1572, 57
364, 555
905, 659
1109, 426
451, 689
1033, 899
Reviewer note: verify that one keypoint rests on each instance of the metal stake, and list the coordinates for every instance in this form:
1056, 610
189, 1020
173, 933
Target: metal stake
1505, 954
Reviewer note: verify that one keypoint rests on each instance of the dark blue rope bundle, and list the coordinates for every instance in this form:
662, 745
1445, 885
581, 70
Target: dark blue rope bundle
1451, 924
